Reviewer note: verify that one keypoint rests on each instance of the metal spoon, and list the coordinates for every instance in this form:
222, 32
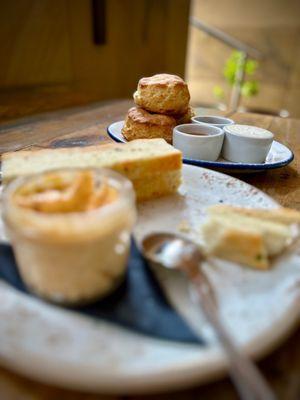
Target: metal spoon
175, 252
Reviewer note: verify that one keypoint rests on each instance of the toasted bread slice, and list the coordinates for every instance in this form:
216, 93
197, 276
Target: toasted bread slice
248, 236
243, 245
153, 166
281, 215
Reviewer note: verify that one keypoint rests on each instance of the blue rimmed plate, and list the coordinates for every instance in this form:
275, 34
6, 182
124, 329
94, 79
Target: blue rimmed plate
279, 155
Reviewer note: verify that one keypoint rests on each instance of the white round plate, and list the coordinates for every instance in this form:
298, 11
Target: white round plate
58, 346
279, 156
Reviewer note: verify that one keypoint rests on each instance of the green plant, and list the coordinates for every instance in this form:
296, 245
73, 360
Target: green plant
250, 87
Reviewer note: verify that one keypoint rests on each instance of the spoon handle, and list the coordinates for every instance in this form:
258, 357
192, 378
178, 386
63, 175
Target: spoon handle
249, 382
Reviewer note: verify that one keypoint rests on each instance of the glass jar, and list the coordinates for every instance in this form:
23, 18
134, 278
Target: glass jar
71, 257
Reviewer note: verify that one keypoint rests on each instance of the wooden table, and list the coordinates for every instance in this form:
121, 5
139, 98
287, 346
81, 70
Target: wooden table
87, 125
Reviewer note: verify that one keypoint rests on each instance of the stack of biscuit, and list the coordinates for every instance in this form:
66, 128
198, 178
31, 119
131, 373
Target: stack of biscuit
162, 102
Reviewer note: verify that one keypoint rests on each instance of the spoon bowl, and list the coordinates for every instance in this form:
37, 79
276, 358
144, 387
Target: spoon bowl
171, 250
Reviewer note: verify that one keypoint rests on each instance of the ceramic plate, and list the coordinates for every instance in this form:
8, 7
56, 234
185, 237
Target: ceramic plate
279, 155
60, 347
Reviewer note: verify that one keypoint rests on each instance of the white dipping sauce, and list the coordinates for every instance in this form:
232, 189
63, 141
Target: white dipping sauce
249, 131
246, 144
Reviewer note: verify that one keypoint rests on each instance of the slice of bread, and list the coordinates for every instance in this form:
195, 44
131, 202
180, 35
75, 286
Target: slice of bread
241, 245
282, 215
248, 236
153, 166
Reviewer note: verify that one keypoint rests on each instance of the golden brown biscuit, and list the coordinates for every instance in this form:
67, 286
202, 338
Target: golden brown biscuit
140, 124
184, 118
163, 93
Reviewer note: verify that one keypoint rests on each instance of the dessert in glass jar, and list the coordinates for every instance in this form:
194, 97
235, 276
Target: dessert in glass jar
70, 231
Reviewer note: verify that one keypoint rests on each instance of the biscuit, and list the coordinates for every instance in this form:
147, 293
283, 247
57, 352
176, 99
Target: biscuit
184, 118
163, 94
140, 124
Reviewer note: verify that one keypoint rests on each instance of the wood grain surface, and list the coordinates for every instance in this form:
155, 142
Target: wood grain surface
49, 58
87, 125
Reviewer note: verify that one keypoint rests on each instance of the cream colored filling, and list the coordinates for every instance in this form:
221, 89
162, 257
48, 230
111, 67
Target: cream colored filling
250, 131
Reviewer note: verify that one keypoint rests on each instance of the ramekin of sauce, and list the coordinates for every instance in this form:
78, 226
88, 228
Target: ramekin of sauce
198, 141
246, 143
70, 231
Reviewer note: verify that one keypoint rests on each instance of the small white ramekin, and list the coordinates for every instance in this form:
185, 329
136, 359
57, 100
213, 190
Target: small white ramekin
246, 143
213, 120
198, 141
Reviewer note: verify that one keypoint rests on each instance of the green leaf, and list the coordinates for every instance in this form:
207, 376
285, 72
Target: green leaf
250, 88
251, 67
229, 71
218, 92
233, 63
236, 56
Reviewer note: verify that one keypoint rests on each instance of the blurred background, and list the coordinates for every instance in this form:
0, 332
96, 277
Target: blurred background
271, 28
234, 53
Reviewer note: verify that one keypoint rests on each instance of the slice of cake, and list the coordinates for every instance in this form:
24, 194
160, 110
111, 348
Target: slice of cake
249, 236
153, 166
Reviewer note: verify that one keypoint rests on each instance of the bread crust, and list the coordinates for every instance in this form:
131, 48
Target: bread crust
140, 124
24, 154
281, 215
163, 94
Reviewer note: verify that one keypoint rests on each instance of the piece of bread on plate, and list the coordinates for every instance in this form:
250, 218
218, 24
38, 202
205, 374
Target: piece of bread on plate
153, 166
281, 214
248, 236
